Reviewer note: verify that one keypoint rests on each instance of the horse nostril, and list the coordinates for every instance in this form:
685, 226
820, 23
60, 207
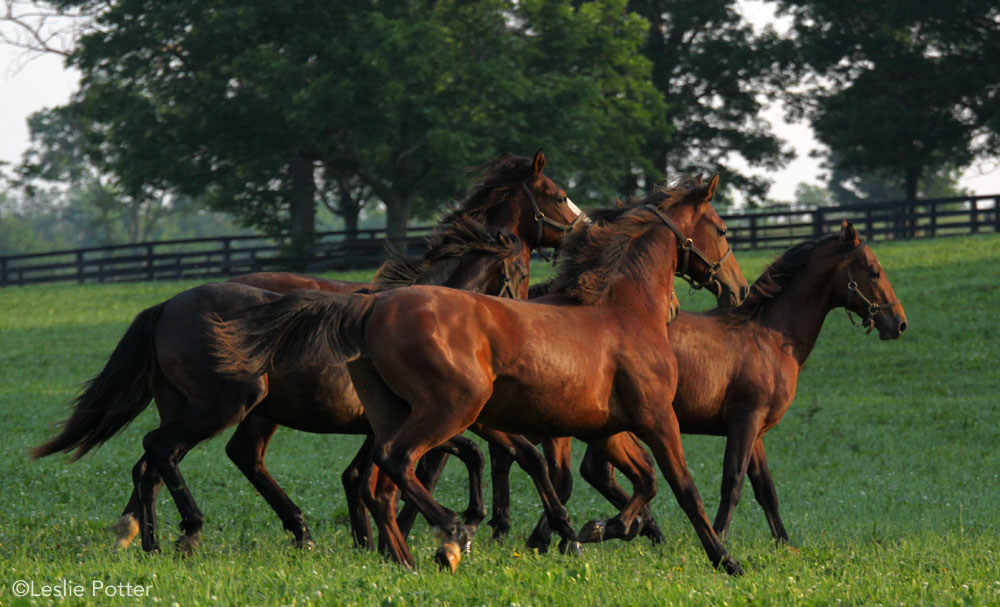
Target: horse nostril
902, 327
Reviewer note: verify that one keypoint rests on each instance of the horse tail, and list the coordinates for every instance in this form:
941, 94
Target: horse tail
303, 325
115, 396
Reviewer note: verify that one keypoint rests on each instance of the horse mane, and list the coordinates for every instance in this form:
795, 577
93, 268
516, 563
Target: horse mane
496, 178
773, 281
594, 258
445, 246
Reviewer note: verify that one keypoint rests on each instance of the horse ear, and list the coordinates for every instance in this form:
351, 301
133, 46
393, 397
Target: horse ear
848, 234
538, 164
619, 203
710, 190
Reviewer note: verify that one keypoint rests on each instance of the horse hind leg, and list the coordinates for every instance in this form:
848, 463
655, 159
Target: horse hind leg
599, 473
246, 449
534, 464
765, 493
629, 457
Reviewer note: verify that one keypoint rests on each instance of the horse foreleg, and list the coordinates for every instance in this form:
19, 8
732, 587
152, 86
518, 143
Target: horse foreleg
764, 491
664, 439
500, 462
246, 449
557, 456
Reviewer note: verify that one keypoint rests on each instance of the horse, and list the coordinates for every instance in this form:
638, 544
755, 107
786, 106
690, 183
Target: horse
511, 189
591, 360
738, 367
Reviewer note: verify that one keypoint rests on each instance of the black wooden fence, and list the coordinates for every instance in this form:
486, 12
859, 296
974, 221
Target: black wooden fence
230, 255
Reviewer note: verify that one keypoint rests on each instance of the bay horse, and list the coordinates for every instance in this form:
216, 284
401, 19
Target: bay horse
738, 368
181, 378
592, 360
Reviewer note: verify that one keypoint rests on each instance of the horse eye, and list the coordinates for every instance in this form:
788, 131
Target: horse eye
561, 199
722, 231
873, 273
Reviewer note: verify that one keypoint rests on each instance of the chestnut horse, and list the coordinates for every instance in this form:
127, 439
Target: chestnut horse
511, 189
738, 368
592, 360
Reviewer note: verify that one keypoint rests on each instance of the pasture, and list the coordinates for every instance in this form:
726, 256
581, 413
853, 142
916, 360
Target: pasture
887, 470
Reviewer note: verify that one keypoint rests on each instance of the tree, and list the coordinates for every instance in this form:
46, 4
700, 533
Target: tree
716, 74
262, 106
898, 87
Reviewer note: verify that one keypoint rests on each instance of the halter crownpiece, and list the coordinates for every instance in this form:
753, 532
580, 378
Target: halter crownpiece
688, 247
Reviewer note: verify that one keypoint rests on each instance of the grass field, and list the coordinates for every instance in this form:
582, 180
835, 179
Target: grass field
886, 466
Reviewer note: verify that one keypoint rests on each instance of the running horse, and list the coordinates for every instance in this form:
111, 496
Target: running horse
165, 355
738, 367
591, 360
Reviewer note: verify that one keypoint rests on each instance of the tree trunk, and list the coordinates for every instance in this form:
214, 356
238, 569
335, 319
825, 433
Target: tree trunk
302, 208
397, 213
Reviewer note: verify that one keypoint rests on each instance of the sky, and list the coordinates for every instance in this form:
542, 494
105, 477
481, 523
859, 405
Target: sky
29, 83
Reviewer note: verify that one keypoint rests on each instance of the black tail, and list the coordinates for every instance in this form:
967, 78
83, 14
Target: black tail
116, 396
303, 325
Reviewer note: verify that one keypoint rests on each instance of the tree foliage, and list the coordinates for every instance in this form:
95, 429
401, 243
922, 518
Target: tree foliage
255, 104
900, 87
717, 75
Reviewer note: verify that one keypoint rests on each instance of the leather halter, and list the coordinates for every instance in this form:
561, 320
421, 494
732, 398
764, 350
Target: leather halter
507, 290
688, 247
541, 220
852, 290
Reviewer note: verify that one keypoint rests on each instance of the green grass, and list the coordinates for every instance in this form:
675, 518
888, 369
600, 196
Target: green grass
886, 466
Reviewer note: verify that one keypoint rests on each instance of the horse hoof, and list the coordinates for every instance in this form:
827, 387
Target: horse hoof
533, 543
187, 543
732, 567
305, 543
448, 555
572, 548
592, 531
126, 529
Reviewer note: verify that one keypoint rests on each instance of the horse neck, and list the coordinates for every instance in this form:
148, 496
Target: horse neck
652, 290
474, 273
798, 312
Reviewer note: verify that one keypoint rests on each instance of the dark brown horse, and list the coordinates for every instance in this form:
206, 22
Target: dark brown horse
592, 360
738, 368
195, 402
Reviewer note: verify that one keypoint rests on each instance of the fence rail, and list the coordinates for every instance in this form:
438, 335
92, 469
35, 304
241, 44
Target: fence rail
230, 255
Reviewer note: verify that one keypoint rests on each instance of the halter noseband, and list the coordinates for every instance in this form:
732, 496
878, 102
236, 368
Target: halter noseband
541, 220
688, 247
852, 290
507, 290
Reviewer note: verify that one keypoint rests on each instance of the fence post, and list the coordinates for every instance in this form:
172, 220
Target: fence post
3, 271
79, 267
973, 216
226, 256
933, 226
996, 214
753, 231
869, 224
150, 274
817, 224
